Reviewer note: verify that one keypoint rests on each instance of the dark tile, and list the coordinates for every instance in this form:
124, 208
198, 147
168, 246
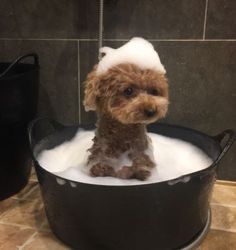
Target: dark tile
202, 87
221, 19
226, 170
58, 97
49, 19
154, 19
201, 78
88, 58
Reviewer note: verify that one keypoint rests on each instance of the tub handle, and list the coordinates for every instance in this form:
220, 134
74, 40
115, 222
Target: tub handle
229, 142
37, 121
34, 55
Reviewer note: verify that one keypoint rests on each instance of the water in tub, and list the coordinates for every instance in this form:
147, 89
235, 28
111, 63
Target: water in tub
173, 158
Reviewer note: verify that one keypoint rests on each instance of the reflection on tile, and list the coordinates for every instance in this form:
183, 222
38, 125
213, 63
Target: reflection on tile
45, 241
13, 236
6, 205
223, 218
224, 194
154, 19
49, 19
45, 226
35, 194
28, 213
33, 176
219, 240
221, 19
27, 190
58, 75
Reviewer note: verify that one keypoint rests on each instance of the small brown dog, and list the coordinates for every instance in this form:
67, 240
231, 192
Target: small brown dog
126, 97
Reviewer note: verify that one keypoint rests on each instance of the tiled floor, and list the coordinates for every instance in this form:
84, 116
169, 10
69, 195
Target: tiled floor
23, 224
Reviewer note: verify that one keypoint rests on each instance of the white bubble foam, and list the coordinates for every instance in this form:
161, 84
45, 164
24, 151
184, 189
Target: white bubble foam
174, 158
137, 51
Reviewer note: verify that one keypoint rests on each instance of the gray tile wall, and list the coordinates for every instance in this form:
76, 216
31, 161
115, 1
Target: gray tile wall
195, 39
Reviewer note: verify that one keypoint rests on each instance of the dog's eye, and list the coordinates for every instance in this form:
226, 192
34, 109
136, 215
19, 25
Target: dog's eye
128, 91
153, 92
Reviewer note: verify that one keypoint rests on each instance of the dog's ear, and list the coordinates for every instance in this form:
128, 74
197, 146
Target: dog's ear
91, 91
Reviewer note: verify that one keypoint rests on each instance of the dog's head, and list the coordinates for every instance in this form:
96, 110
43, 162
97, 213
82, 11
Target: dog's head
128, 94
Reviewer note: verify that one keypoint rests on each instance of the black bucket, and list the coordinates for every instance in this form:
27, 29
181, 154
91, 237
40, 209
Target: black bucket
19, 84
172, 214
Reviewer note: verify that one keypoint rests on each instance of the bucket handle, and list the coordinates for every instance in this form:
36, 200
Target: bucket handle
229, 142
35, 122
34, 55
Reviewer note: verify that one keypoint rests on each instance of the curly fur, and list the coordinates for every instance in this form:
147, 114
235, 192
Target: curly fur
122, 117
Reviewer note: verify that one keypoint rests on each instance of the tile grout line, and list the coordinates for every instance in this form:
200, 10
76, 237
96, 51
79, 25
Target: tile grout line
24, 197
34, 179
5, 212
49, 39
79, 83
22, 226
117, 40
30, 239
18, 225
166, 40
176, 40
205, 20
226, 183
223, 229
222, 205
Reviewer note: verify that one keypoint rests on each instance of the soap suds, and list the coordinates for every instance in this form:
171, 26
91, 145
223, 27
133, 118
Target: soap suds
137, 51
174, 158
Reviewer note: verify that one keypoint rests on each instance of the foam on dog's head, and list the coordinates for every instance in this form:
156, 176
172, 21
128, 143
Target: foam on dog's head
137, 51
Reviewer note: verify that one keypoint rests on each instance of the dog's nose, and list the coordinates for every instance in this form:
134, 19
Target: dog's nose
150, 112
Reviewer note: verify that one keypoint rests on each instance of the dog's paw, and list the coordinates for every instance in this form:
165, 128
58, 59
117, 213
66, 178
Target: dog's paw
102, 170
142, 174
125, 173
133, 173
